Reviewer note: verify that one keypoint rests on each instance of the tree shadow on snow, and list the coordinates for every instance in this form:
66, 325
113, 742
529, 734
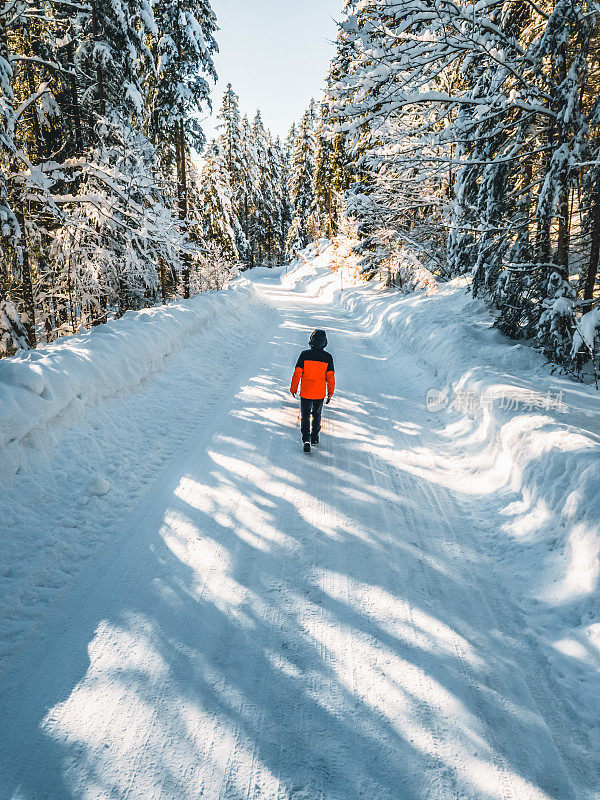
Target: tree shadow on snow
291, 627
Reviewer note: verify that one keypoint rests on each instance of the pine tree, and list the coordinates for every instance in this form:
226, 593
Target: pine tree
214, 212
290, 140
284, 203
248, 192
332, 176
86, 213
323, 182
264, 225
230, 137
233, 158
12, 332
302, 183
185, 47
480, 132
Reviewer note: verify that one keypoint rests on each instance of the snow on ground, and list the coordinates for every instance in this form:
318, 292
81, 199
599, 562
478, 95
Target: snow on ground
66, 377
525, 442
87, 422
194, 608
530, 442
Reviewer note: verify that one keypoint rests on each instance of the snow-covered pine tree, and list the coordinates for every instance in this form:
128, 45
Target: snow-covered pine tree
284, 203
325, 198
214, 211
112, 178
185, 45
248, 191
229, 125
302, 168
87, 216
234, 160
398, 191
485, 105
13, 335
281, 213
332, 175
290, 139
264, 225
33, 79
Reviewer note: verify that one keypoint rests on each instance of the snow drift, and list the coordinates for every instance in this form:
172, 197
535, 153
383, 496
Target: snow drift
536, 433
523, 441
75, 372
520, 438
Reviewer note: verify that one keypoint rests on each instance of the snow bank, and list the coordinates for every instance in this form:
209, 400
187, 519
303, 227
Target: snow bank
518, 438
536, 433
64, 378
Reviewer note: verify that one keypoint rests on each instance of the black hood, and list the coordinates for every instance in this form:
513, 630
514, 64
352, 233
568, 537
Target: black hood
318, 340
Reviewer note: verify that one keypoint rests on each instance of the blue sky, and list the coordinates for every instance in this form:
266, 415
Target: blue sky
275, 53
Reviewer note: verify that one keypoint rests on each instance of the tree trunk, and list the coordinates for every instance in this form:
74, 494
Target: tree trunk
36, 148
75, 110
542, 235
592, 269
182, 198
102, 317
563, 231
562, 211
99, 75
163, 282
27, 292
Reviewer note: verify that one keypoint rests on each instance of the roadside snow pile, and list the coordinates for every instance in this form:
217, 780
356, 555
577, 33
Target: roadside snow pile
88, 424
516, 445
525, 431
75, 372
405, 271
319, 264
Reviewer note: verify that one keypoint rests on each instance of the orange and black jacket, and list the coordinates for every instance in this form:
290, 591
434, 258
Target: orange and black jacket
315, 369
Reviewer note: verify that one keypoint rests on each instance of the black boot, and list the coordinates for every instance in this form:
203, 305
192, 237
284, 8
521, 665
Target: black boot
314, 439
307, 447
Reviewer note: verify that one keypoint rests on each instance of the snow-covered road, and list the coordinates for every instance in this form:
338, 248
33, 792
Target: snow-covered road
267, 624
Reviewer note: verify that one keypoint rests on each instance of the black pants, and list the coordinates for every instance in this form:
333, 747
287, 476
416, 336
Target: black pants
310, 408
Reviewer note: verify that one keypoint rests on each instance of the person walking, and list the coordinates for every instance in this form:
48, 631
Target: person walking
315, 375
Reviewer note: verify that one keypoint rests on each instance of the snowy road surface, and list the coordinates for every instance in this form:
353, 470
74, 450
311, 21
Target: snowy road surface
266, 624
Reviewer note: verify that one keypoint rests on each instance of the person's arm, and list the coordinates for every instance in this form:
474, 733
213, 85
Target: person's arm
330, 376
297, 374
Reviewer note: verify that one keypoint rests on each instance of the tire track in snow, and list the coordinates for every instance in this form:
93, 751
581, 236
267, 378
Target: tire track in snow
364, 686
402, 486
440, 779
126, 570
354, 639
554, 772
238, 772
569, 751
